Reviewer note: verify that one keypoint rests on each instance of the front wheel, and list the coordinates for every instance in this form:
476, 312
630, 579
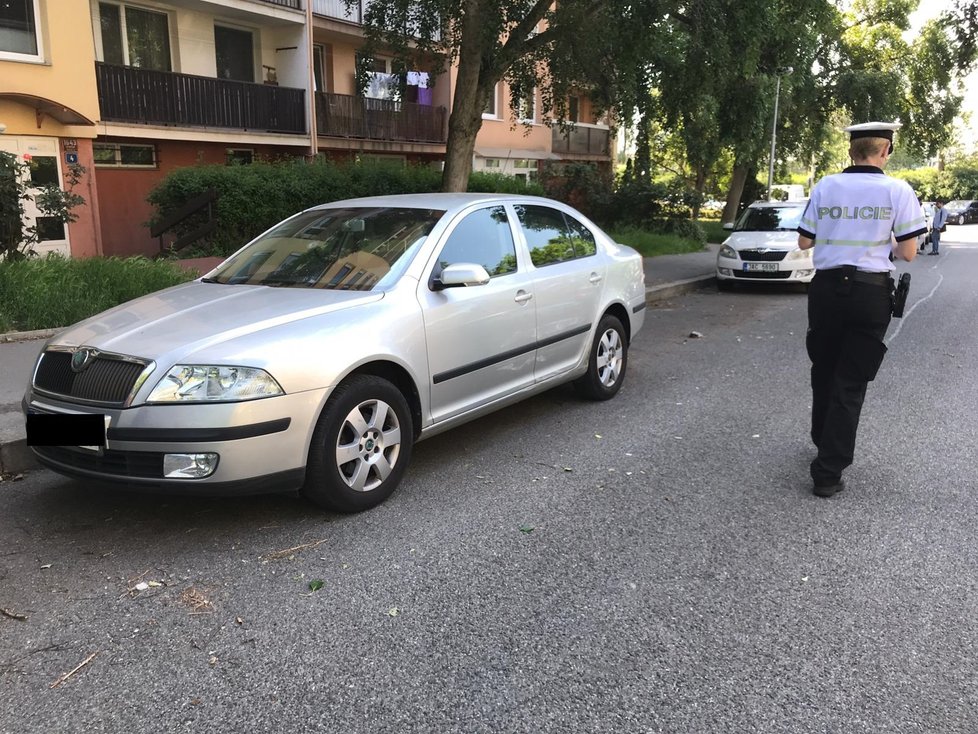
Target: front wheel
606, 363
961, 219
361, 446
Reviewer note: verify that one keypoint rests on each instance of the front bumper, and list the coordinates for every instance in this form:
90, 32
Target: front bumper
784, 271
260, 445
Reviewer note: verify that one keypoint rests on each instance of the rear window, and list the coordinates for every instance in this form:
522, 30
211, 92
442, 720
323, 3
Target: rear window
770, 219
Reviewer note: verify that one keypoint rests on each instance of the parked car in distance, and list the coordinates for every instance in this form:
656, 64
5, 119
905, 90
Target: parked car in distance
962, 211
317, 355
763, 247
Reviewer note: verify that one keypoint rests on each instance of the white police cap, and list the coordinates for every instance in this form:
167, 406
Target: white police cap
873, 130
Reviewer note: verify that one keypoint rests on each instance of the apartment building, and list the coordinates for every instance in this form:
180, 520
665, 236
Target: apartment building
48, 110
135, 89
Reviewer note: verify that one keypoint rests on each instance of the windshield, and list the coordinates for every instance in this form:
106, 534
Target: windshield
357, 249
770, 219
957, 204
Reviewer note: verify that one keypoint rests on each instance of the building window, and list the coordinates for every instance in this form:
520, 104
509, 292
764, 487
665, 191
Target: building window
134, 37
492, 109
239, 156
235, 51
574, 109
525, 163
492, 163
319, 68
50, 229
124, 155
526, 107
19, 39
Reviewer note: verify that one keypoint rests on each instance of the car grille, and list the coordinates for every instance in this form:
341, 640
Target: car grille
141, 464
106, 380
769, 256
761, 275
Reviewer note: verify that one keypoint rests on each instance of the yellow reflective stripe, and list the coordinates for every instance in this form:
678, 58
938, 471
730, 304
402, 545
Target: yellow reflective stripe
907, 225
853, 243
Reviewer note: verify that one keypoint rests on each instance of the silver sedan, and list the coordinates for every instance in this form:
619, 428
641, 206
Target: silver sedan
317, 355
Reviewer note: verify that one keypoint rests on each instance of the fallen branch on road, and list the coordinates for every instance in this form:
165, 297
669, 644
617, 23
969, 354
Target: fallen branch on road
78, 667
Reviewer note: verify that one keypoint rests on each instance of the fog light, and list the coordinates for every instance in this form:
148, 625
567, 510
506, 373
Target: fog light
725, 271
189, 466
803, 273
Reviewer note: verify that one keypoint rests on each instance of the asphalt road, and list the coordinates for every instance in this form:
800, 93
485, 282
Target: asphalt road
656, 563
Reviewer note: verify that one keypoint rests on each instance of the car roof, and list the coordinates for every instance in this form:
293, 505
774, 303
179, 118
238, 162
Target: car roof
775, 204
436, 200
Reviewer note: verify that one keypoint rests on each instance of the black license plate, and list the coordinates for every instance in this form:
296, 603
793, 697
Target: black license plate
63, 429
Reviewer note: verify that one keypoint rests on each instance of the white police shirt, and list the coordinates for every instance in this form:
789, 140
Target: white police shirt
852, 215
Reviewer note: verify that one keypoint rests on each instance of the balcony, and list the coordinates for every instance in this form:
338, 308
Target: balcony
348, 116
338, 9
297, 4
590, 141
129, 94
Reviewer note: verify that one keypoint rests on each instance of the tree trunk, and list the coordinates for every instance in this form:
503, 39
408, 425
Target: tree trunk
472, 90
701, 172
732, 207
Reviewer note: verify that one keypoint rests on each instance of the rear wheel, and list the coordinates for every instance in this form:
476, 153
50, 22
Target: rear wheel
606, 363
361, 446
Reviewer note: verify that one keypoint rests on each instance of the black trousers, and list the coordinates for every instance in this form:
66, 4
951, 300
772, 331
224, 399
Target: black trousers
846, 324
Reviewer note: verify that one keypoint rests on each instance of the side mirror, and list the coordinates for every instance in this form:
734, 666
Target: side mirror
728, 225
461, 274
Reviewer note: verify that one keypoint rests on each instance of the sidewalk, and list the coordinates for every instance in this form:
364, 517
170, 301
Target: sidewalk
666, 276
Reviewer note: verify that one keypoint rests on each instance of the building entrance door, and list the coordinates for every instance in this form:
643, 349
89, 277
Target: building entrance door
44, 167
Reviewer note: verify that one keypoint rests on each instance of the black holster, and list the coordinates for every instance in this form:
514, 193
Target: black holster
898, 296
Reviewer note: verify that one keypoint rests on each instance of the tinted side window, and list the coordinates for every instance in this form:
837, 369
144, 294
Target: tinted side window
546, 234
483, 237
581, 237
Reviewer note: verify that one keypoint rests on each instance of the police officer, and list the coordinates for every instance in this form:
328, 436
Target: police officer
857, 218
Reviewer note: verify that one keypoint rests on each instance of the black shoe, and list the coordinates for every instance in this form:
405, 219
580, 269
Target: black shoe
822, 490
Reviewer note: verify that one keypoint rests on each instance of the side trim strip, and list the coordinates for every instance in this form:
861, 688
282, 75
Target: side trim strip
641, 307
198, 435
502, 357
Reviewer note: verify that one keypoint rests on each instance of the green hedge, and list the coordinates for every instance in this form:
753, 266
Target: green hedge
53, 291
255, 197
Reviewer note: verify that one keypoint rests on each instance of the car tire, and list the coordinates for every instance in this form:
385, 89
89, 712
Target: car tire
961, 219
361, 445
607, 361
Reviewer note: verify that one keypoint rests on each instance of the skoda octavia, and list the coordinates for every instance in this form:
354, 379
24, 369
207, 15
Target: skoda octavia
317, 355
763, 247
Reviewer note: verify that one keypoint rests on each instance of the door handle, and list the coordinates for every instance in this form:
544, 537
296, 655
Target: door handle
595, 278
522, 296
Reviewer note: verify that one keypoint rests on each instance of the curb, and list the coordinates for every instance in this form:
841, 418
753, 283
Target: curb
659, 293
23, 336
16, 457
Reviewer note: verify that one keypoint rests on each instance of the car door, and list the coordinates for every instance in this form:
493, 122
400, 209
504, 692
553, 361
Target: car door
568, 281
481, 339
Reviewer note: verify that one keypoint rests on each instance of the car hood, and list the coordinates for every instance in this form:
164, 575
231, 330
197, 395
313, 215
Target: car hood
193, 316
786, 240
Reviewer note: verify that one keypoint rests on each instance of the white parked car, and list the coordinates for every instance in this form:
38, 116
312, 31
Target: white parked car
763, 247
317, 355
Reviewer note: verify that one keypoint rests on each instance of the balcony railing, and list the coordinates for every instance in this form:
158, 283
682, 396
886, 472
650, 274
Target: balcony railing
129, 94
581, 141
347, 116
338, 9
297, 4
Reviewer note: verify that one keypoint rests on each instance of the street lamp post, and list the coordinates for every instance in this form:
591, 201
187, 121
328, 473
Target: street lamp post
774, 127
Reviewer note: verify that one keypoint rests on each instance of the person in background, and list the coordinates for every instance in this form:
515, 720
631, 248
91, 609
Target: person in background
939, 222
858, 218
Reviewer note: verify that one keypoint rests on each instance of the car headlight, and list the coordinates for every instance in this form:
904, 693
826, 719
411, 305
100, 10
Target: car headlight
194, 383
799, 254
728, 251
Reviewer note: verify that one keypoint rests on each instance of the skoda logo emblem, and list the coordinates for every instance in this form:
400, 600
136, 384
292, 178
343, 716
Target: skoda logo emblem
82, 358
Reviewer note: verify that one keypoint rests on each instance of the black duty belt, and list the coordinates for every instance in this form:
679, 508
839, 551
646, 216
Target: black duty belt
858, 276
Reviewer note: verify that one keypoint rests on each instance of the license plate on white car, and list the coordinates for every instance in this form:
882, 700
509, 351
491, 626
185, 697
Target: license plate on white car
760, 267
